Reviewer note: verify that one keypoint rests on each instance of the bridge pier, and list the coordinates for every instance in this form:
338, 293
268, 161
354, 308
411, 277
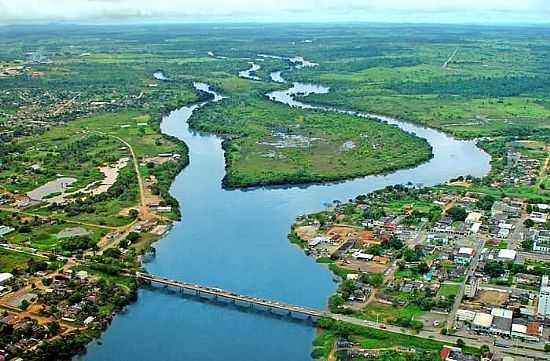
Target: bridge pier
242, 301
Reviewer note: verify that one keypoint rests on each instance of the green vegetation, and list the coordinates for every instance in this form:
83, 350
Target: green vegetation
372, 338
274, 144
11, 261
448, 290
386, 313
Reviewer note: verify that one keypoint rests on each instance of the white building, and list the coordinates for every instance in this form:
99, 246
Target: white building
465, 315
473, 217
5, 277
5, 230
507, 255
471, 287
544, 298
538, 217
482, 323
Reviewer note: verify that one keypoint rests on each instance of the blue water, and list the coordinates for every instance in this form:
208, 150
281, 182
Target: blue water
237, 240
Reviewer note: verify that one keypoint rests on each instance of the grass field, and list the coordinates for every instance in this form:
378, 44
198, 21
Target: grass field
10, 260
384, 313
447, 290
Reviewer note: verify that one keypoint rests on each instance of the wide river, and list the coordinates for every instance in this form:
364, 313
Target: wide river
237, 240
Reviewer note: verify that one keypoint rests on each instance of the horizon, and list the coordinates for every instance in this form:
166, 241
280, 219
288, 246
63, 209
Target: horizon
122, 12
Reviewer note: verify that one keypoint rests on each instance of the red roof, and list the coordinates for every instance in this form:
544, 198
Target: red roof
444, 353
533, 328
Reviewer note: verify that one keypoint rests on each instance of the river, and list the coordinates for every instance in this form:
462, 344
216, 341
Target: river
237, 240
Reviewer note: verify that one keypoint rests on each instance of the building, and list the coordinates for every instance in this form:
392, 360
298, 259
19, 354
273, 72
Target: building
475, 227
471, 286
541, 241
504, 208
464, 256
473, 217
501, 326
5, 230
465, 315
544, 299
482, 323
5, 277
506, 255
538, 217
527, 331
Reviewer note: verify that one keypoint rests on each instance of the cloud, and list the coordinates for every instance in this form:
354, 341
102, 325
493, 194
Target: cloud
280, 10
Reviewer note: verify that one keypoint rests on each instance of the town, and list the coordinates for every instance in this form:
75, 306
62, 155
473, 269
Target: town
438, 261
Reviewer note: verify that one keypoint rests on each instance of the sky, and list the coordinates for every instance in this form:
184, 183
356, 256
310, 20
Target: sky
423, 11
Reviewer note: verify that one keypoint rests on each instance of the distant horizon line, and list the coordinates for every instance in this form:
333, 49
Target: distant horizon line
273, 22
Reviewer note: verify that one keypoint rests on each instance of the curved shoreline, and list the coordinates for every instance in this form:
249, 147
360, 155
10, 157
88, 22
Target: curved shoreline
211, 209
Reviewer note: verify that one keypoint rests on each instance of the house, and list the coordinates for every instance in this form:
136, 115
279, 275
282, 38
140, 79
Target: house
317, 240
527, 279
512, 210
538, 217
5, 230
81, 275
473, 217
464, 255
362, 256
4, 278
381, 259
475, 227
451, 353
22, 201
527, 331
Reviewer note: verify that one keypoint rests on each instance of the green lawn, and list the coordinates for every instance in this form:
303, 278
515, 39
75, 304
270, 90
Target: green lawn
448, 289
10, 260
384, 313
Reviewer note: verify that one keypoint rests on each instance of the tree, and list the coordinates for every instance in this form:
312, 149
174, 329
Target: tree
132, 236
527, 244
54, 328
457, 213
494, 268
24, 304
460, 343
529, 223
133, 213
484, 349
394, 243
422, 268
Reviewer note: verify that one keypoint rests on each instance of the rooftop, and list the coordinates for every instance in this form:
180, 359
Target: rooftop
508, 254
501, 312
483, 320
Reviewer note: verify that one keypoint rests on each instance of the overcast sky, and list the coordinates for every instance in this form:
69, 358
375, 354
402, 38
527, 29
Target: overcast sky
479, 11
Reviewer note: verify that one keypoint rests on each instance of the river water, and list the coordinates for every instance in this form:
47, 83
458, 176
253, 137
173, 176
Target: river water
237, 240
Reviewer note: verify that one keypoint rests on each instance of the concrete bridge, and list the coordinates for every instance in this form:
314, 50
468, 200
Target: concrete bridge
217, 293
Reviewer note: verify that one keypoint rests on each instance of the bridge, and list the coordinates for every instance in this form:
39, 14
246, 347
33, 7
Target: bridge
309, 313
217, 293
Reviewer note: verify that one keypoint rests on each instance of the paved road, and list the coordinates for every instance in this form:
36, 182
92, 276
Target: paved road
534, 256
475, 341
470, 272
516, 237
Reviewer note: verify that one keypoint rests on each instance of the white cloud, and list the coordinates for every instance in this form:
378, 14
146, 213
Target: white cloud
276, 10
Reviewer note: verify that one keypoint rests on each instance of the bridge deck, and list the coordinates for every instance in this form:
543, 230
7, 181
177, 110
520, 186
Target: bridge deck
232, 296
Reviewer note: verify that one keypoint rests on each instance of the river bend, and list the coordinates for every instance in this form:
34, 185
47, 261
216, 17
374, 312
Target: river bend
237, 240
